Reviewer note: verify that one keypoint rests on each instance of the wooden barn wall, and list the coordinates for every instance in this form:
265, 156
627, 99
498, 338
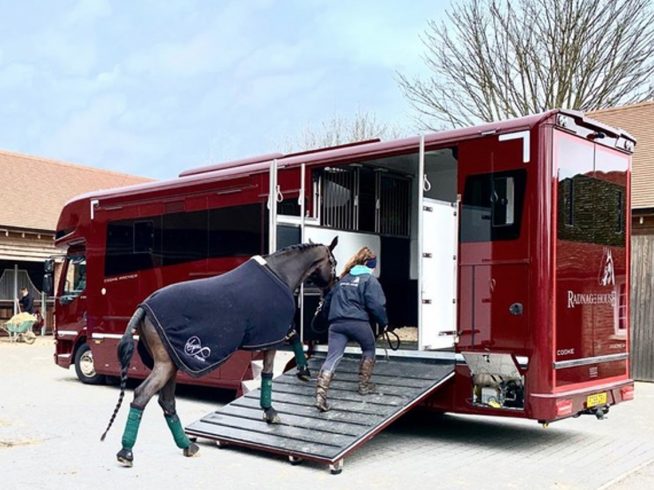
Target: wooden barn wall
642, 307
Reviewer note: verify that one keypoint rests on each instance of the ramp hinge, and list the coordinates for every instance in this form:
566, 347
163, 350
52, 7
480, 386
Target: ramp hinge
426, 301
427, 255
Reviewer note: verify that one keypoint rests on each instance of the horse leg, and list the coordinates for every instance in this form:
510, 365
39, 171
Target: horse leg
270, 415
163, 370
303, 372
167, 402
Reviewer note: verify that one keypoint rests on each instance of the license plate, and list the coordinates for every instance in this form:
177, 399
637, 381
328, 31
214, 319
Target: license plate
596, 399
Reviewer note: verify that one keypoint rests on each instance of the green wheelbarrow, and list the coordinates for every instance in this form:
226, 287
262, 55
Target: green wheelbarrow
19, 328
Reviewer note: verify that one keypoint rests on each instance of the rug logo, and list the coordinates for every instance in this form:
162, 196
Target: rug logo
194, 349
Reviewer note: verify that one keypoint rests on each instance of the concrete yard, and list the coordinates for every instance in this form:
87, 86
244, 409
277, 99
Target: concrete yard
50, 427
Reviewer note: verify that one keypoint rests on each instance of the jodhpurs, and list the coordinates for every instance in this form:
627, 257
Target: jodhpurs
339, 334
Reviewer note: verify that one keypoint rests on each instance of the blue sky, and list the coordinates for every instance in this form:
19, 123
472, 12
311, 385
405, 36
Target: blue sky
154, 87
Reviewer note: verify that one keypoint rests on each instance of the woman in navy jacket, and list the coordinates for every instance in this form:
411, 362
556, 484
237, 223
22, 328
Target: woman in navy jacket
355, 299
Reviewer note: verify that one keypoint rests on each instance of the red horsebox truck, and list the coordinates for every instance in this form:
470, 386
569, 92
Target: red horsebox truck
504, 246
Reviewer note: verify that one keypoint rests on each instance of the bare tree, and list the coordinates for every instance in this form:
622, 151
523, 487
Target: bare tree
340, 130
494, 59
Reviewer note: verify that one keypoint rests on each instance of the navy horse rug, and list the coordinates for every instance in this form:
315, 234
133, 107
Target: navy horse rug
203, 321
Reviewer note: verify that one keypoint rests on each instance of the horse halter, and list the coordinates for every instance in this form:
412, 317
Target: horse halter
332, 264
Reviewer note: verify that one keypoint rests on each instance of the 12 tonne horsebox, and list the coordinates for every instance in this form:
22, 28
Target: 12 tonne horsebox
505, 245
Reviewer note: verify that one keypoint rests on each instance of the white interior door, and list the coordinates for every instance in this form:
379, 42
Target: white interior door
439, 244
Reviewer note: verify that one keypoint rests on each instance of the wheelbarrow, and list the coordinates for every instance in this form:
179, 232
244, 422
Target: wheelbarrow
19, 328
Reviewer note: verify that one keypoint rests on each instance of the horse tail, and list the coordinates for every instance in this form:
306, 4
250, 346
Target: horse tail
125, 353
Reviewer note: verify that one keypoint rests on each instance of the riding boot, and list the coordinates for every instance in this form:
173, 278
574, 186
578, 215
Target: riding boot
365, 373
322, 386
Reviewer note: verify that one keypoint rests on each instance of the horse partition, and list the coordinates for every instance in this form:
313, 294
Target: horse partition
325, 437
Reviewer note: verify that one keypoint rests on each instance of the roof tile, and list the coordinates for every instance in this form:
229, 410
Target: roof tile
37, 188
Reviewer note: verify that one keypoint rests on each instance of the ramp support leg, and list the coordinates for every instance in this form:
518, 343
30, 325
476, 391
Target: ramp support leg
336, 467
294, 460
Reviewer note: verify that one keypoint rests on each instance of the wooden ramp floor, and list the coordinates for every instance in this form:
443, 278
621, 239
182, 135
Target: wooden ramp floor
306, 433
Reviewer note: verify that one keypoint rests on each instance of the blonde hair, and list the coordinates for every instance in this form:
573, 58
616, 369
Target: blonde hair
359, 258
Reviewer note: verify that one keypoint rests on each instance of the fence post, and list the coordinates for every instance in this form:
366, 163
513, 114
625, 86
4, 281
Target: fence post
44, 314
15, 288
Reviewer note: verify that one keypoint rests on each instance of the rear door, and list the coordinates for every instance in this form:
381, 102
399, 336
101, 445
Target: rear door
591, 260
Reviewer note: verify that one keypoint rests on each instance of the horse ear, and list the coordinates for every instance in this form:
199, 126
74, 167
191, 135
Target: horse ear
334, 243
310, 241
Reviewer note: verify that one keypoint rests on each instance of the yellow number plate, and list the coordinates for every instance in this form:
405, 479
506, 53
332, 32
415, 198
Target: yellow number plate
597, 399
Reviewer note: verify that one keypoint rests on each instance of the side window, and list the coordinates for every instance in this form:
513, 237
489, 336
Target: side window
124, 238
75, 281
492, 206
144, 236
176, 238
236, 231
184, 237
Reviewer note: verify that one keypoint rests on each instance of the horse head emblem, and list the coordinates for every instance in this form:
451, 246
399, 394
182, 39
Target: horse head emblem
607, 273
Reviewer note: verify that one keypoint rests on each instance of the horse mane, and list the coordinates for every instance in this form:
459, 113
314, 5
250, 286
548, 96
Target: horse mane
298, 247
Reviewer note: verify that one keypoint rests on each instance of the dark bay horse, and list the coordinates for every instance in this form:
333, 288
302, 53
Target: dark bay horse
287, 268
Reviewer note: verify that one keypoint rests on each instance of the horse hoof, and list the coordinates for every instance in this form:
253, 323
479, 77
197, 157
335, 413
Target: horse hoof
191, 450
125, 457
271, 416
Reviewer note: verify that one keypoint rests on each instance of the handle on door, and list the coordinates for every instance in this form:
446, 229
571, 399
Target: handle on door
516, 309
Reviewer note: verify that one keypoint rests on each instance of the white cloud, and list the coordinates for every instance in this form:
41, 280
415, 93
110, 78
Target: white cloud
94, 137
197, 55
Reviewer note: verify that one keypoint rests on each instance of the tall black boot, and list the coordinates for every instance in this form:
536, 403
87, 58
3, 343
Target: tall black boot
322, 386
365, 373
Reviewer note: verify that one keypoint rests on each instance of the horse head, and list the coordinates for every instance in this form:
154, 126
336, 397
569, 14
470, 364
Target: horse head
324, 273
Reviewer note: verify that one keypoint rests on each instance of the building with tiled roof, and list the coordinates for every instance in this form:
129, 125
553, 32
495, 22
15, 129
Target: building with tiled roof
34, 192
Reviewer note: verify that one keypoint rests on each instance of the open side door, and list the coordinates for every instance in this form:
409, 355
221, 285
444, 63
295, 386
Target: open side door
437, 274
438, 278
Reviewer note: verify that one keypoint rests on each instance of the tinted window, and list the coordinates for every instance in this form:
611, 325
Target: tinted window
185, 237
235, 231
492, 206
175, 238
121, 256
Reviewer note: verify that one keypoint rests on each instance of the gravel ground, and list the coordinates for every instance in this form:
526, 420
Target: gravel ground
50, 426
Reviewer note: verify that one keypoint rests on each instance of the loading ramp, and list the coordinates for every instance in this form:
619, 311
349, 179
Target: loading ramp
307, 434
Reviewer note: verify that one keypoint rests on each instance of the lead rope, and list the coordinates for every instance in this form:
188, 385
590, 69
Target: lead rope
386, 334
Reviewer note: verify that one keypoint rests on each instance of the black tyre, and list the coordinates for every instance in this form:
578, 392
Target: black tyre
85, 368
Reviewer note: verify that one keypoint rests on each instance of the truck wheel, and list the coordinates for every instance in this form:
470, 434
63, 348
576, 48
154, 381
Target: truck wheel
84, 366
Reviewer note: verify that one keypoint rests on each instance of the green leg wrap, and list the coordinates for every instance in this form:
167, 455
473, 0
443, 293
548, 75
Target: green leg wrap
132, 427
175, 427
300, 358
266, 390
